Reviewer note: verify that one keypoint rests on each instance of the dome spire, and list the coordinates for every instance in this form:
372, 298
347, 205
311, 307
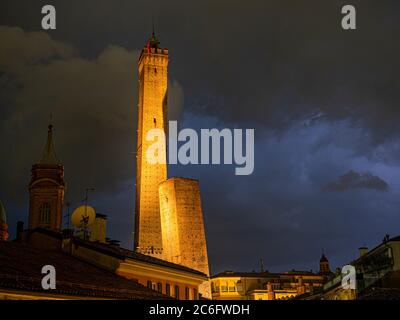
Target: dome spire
49, 153
152, 21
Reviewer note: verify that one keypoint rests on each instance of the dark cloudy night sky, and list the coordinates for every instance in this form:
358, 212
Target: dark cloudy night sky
324, 103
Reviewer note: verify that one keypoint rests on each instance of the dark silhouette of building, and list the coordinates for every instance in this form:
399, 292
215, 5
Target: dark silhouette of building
324, 265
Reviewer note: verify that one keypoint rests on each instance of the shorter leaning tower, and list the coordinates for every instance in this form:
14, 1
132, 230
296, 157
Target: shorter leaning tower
182, 225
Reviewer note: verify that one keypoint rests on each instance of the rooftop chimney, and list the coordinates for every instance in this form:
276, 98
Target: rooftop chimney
98, 229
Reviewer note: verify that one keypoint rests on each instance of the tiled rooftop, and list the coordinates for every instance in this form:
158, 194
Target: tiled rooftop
21, 264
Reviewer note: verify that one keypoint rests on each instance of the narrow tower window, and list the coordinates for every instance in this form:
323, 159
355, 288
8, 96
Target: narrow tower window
45, 213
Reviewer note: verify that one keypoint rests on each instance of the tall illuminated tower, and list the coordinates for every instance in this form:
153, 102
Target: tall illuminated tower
153, 82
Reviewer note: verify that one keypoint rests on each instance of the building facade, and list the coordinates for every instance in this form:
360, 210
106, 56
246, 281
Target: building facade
171, 279
377, 275
264, 285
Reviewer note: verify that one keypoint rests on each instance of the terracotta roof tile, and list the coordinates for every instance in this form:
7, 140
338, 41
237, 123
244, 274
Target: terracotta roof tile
21, 265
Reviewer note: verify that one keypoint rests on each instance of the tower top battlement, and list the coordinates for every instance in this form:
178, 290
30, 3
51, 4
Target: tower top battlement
152, 48
156, 56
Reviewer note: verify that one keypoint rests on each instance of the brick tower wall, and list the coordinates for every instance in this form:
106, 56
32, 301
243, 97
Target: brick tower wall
47, 186
183, 232
153, 75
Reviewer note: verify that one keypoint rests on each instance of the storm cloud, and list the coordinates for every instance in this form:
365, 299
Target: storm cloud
91, 102
354, 180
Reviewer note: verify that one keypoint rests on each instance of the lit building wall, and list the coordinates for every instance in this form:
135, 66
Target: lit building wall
263, 286
174, 283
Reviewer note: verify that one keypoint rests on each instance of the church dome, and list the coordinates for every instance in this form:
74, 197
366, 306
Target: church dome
2, 213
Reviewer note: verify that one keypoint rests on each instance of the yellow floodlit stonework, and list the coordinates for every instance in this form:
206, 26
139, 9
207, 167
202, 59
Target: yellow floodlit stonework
168, 218
153, 79
184, 239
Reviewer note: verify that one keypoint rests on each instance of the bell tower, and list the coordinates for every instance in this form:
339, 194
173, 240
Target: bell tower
324, 265
46, 189
152, 102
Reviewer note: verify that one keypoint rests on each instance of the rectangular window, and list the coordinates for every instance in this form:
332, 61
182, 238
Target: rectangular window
195, 297
187, 293
159, 287
177, 292
149, 284
168, 289
45, 213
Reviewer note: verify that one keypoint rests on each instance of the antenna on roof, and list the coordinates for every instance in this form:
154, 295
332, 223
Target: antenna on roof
68, 215
82, 218
87, 194
261, 265
152, 23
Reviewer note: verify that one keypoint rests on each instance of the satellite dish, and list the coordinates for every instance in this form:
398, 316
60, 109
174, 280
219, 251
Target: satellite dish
83, 216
